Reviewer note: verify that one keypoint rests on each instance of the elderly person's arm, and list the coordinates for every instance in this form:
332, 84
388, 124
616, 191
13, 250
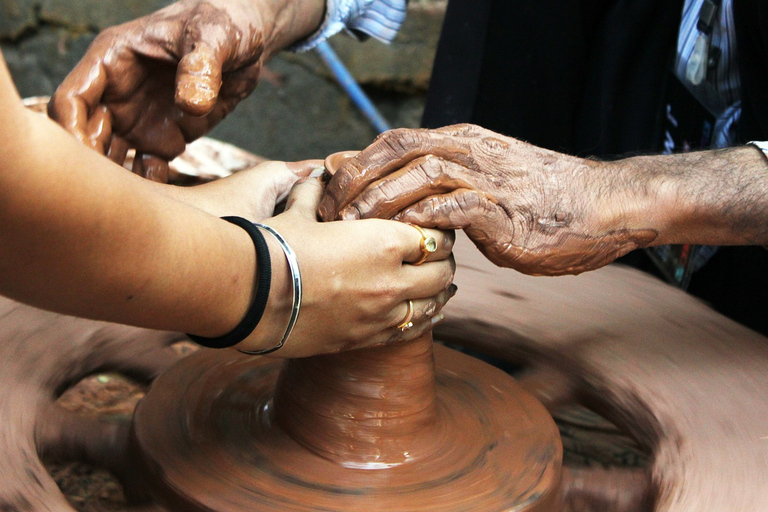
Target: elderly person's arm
542, 212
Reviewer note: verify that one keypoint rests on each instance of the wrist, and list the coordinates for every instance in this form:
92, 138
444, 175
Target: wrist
290, 22
634, 198
271, 330
249, 296
717, 197
279, 305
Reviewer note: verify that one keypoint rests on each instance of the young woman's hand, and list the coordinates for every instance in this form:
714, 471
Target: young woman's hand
358, 278
251, 193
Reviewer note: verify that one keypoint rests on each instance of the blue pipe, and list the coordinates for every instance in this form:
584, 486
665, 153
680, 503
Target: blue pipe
350, 86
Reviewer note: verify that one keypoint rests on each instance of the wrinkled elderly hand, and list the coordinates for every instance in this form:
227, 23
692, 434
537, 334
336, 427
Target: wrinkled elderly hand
161, 81
525, 207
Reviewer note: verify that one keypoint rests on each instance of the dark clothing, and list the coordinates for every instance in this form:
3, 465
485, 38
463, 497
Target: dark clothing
577, 76
589, 78
751, 18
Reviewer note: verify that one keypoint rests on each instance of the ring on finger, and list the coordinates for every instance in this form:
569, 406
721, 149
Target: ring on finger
407, 323
428, 244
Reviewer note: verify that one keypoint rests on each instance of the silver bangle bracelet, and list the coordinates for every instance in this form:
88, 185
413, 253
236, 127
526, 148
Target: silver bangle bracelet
293, 265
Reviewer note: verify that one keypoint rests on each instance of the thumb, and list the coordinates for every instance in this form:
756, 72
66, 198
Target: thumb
305, 168
198, 80
282, 176
304, 199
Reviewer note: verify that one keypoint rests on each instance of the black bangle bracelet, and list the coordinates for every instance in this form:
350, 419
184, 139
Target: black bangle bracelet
259, 302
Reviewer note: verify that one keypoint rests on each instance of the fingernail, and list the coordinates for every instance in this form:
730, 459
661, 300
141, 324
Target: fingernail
318, 172
322, 209
350, 213
437, 318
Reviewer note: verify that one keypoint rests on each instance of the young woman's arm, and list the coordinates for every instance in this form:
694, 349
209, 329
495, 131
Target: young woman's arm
80, 235
83, 236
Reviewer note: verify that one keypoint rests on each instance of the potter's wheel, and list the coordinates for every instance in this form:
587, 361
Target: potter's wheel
465, 438
686, 383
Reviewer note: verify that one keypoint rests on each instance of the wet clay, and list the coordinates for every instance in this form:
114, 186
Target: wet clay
375, 429
407, 427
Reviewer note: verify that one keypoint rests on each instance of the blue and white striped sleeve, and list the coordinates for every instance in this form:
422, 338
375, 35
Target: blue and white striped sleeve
380, 19
762, 146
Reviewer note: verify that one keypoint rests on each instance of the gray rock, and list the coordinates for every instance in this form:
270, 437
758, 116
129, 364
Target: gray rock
16, 17
97, 14
39, 64
295, 114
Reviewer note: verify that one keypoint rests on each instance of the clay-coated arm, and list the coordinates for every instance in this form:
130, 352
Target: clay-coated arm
161, 81
543, 212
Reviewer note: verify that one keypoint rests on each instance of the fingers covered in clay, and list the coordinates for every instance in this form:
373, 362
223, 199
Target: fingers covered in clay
390, 152
79, 95
423, 177
482, 218
525, 207
151, 167
163, 80
198, 80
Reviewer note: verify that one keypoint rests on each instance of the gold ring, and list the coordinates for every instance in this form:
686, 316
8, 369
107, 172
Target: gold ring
406, 323
428, 244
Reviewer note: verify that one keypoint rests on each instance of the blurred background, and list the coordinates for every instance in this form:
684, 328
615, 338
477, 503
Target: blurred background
298, 111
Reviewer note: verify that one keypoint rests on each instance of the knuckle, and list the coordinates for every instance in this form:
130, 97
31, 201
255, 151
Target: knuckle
390, 293
431, 168
373, 308
471, 203
367, 203
495, 145
404, 140
462, 130
447, 240
391, 249
391, 239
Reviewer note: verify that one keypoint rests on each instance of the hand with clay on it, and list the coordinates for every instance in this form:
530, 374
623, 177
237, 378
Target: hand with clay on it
357, 280
156, 83
538, 211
